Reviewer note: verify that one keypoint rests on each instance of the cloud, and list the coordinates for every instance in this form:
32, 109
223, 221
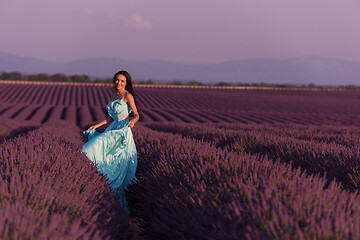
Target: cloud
138, 23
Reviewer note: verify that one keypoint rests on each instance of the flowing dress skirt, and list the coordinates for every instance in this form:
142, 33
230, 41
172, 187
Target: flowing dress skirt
114, 153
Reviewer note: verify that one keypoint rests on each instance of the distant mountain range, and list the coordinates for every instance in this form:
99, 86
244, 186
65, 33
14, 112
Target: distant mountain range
300, 70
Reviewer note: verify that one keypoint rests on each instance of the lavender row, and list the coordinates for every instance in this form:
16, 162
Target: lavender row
335, 161
12, 128
348, 136
192, 190
49, 190
55, 95
81, 116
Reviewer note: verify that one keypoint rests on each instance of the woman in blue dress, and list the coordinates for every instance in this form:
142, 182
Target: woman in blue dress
114, 150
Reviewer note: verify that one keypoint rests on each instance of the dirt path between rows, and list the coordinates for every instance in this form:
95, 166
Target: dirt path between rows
135, 227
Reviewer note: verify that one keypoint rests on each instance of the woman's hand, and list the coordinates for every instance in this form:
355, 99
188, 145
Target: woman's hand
131, 124
92, 127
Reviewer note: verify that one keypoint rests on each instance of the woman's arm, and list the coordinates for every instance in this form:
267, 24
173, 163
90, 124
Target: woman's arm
131, 102
106, 121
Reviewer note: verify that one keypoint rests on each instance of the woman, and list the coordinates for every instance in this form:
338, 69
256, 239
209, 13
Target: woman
114, 150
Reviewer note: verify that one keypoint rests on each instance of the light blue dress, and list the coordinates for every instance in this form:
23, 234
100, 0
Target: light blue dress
114, 150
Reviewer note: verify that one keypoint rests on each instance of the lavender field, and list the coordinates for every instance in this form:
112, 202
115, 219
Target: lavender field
213, 164
82, 104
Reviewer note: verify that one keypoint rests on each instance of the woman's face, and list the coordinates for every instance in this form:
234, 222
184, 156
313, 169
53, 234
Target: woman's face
120, 82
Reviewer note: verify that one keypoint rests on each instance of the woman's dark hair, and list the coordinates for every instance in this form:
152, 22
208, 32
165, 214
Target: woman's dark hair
128, 87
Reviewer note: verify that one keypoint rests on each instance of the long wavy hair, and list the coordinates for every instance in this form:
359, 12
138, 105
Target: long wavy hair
128, 87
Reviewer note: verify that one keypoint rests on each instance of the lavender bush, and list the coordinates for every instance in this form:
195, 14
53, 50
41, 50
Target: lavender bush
326, 157
13, 127
49, 190
192, 190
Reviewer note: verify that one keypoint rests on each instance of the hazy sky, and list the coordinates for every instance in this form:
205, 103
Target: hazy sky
186, 30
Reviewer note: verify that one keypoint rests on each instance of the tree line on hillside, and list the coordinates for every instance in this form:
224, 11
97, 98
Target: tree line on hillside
43, 77
60, 77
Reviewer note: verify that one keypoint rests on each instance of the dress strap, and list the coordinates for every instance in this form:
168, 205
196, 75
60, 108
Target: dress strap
124, 95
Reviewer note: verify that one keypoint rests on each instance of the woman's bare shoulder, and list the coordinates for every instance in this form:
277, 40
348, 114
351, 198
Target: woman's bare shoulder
128, 95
